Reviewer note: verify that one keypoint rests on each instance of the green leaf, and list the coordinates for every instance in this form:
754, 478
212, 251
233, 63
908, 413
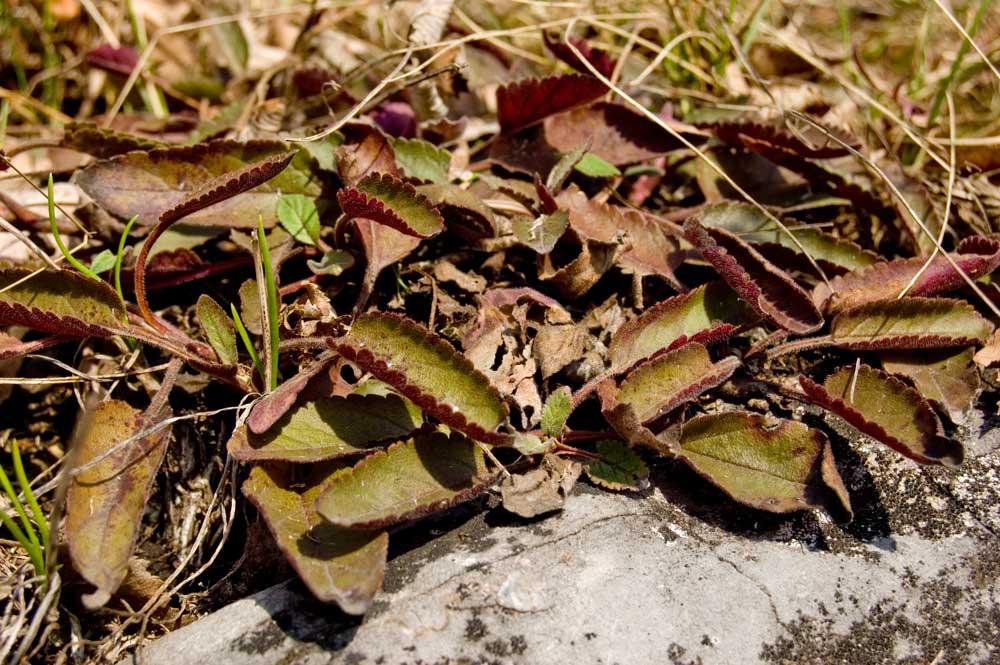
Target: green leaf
422, 160
219, 329
409, 480
105, 501
63, 302
145, 183
888, 410
946, 376
429, 371
386, 199
909, 323
333, 263
780, 469
542, 233
556, 411
594, 167
565, 165
299, 216
619, 469
705, 314
103, 261
342, 566
328, 428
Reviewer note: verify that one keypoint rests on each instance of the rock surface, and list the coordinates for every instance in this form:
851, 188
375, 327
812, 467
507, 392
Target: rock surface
678, 575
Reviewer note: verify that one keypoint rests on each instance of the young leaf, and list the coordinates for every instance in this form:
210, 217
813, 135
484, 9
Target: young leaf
342, 566
409, 480
428, 370
620, 468
105, 501
909, 323
333, 263
422, 160
779, 469
148, 183
543, 232
946, 376
102, 262
299, 216
886, 280
593, 166
328, 428
529, 101
888, 410
662, 384
771, 292
556, 412
219, 329
706, 314
388, 200
63, 302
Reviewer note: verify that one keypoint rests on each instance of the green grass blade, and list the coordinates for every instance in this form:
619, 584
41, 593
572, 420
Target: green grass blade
272, 304
55, 233
22, 479
245, 336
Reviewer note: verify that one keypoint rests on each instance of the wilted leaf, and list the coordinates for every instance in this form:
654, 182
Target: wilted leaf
529, 101
946, 376
328, 428
422, 160
63, 302
368, 151
428, 370
887, 280
299, 216
542, 489
409, 480
909, 323
343, 566
669, 380
989, 355
575, 278
769, 290
464, 213
105, 501
620, 468
148, 183
102, 143
556, 411
706, 314
888, 410
773, 138
543, 232
219, 329
383, 246
388, 200
780, 469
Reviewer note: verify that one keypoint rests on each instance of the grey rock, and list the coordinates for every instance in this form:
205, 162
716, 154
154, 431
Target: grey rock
678, 575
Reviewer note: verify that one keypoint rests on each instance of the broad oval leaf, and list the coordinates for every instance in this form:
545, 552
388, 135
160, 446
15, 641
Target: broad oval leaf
945, 376
543, 232
146, 183
428, 370
768, 289
386, 199
219, 329
888, 410
328, 428
342, 566
779, 469
422, 160
408, 480
662, 384
620, 468
706, 314
105, 501
909, 323
524, 103
63, 302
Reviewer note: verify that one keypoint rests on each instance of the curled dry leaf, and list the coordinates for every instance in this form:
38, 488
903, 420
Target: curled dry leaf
386, 199
530, 101
408, 480
62, 302
909, 323
464, 213
542, 489
888, 410
342, 566
946, 376
779, 469
428, 370
768, 289
367, 151
105, 501
706, 314
328, 428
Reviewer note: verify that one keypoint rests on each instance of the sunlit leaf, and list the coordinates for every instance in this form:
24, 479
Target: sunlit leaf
594, 167
909, 323
556, 411
342, 566
543, 232
219, 329
780, 469
529, 101
946, 376
542, 489
328, 428
105, 501
886, 409
620, 468
63, 302
422, 160
407, 481
773, 137
299, 216
388, 200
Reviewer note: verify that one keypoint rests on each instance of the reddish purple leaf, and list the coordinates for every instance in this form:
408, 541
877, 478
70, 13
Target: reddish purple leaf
769, 290
773, 138
529, 101
396, 119
601, 61
118, 60
386, 199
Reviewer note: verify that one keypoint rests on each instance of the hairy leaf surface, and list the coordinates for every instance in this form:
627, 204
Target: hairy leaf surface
388, 200
103, 143
909, 323
529, 101
620, 468
945, 376
63, 302
219, 329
